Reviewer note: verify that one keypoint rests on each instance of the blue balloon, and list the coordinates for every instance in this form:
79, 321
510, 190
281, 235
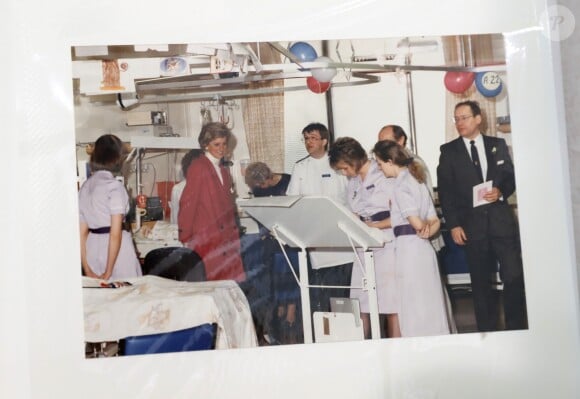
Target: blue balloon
488, 83
303, 51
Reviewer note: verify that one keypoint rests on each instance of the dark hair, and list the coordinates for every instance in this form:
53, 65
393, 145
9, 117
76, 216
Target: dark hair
387, 150
256, 174
188, 159
107, 154
473, 105
349, 151
211, 131
322, 130
398, 132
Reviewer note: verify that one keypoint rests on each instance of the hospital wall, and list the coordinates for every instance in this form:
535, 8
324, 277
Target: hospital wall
358, 111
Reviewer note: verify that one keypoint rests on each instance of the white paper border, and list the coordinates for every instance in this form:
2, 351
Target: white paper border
40, 283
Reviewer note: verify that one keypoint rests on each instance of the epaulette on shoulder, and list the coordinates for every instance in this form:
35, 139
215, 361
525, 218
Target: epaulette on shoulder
302, 159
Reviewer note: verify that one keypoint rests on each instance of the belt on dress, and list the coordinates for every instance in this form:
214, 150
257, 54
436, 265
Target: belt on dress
101, 230
404, 230
377, 217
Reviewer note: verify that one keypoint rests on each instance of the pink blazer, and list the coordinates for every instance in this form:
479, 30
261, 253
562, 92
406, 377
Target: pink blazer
207, 222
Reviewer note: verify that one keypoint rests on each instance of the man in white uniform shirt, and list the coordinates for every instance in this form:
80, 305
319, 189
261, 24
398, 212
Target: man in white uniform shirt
313, 175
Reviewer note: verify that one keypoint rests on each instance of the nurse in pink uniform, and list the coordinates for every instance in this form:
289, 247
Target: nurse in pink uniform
369, 197
422, 309
107, 251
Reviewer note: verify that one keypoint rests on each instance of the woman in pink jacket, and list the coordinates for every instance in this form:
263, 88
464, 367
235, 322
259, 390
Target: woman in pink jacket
207, 211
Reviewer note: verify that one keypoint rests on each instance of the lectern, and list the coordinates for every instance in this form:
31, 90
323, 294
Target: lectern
319, 222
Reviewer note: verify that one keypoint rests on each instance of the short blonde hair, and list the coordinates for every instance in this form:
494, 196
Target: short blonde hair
256, 174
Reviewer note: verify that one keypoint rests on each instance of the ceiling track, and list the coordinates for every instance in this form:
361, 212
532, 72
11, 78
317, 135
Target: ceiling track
410, 68
182, 82
240, 91
207, 80
207, 86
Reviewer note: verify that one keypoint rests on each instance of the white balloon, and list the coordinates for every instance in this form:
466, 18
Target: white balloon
323, 74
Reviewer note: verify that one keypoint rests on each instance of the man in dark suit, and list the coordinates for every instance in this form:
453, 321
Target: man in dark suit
488, 232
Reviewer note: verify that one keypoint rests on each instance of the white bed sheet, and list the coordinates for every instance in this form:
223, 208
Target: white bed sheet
153, 305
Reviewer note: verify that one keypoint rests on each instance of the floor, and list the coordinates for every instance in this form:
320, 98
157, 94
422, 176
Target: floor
461, 303
283, 333
462, 306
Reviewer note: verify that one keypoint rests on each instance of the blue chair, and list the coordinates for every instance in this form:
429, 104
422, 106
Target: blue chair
452, 256
191, 339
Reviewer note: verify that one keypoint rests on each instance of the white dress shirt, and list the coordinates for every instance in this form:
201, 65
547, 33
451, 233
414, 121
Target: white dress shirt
176, 192
480, 151
216, 164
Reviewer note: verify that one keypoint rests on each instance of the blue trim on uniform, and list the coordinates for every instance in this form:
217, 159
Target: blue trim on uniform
404, 230
101, 230
377, 217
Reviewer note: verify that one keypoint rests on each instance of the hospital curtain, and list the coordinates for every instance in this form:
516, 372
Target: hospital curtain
264, 117
475, 50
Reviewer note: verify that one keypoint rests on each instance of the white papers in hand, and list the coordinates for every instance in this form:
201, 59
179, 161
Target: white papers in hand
479, 191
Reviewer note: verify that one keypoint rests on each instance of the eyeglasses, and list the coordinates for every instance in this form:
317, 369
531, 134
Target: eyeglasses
457, 119
310, 138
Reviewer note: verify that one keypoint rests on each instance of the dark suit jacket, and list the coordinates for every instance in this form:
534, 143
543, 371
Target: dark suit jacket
207, 221
456, 176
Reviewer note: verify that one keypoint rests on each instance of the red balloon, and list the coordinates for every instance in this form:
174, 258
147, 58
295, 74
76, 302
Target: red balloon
458, 82
315, 86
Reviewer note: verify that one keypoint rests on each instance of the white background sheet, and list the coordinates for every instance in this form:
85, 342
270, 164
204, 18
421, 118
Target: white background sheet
570, 52
40, 285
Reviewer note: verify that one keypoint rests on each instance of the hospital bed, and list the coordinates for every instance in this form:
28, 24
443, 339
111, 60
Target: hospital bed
154, 305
